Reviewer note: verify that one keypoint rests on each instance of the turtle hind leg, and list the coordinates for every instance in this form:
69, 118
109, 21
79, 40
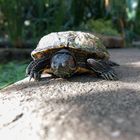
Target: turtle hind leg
111, 63
102, 69
36, 67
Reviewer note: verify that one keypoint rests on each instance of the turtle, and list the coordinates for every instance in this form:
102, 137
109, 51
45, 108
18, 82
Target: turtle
63, 54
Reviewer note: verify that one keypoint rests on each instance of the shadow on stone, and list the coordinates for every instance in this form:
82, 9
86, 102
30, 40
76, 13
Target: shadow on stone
107, 112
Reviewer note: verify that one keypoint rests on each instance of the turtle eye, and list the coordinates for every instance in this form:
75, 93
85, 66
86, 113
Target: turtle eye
53, 65
71, 62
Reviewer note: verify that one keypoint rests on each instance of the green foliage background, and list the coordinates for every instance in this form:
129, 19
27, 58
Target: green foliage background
45, 16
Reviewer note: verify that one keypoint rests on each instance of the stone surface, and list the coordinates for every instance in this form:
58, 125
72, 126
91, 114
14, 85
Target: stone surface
113, 41
81, 108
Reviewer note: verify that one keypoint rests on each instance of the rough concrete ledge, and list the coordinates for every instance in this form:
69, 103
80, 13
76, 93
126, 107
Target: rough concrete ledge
82, 108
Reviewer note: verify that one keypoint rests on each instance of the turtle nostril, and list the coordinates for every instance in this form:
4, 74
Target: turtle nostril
54, 66
63, 64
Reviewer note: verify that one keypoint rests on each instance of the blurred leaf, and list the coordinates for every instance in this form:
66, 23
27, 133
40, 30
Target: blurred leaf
100, 26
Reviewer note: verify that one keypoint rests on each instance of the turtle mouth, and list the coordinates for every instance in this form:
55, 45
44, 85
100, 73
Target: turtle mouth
63, 74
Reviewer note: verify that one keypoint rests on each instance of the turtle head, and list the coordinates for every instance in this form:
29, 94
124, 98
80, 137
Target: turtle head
63, 63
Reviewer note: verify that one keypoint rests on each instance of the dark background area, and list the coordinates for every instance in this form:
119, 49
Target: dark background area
23, 23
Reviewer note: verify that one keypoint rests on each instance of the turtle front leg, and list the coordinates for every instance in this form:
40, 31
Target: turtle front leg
29, 67
36, 67
102, 69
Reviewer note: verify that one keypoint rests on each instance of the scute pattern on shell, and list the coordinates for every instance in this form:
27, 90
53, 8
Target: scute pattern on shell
79, 40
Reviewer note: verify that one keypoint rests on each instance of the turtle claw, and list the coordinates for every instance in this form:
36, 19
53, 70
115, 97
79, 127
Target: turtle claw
29, 68
114, 76
109, 75
35, 75
30, 78
36, 67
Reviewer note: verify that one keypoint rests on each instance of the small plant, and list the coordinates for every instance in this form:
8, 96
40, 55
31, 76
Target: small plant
100, 26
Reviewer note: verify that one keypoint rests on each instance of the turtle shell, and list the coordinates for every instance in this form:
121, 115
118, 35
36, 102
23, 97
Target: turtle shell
76, 41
